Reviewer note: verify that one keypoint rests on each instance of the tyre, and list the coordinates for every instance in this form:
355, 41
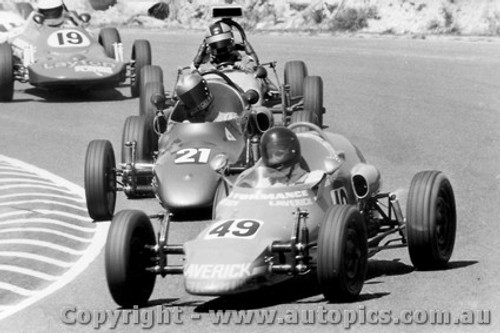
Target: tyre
126, 258
141, 56
221, 192
147, 109
108, 37
342, 254
137, 129
303, 116
313, 97
295, 72
147, 75
24, 8
6, 73
431, 220
100, 180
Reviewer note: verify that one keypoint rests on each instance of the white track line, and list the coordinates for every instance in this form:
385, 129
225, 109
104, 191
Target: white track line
27, 181
17, 290
9, 214
49, 221
17, 173
42, 201
32, 186
72, 216
48, 231
40, 194
91, 252
35, 242
29, 272
32, 256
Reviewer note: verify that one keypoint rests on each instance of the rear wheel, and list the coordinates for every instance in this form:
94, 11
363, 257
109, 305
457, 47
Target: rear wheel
431, 220
107, 38
221, 192
141, 57
127, 258
147, 75
295, 72
147, 109
100, 180
313, 97
303, 116
342, 254
6, 73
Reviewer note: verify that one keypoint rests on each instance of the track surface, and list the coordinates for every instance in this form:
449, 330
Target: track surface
409, 105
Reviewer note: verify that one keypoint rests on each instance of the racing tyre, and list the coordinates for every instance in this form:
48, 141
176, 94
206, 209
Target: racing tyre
127, 256
342, 254
147, 109
147, 75
221, 192
141, 56
431, 220
6, 73
100, 180
108, 37
313, 97
303, 116
24, 8
295, 72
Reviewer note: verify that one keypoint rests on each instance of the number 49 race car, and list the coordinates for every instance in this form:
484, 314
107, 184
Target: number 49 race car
327, 225
69, 55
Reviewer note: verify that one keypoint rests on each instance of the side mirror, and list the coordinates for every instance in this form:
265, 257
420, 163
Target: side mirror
251, 96
85, 17
219, 162
333, 163
260, 72
158, 100
38, 18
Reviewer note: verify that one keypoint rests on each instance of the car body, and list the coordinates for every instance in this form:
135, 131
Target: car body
69, 55
173, 164
327, 225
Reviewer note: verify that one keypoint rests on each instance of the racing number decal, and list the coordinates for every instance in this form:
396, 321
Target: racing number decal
339, 196
234, 229
68, 38
193, 155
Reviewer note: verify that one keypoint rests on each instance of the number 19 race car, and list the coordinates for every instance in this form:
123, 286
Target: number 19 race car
327, 225
55, 57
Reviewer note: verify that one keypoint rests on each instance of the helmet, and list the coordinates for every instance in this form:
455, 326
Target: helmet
220, 39
52, 10
280, 148
193, 91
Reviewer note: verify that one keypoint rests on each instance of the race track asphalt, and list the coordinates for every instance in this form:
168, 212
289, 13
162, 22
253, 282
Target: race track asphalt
408, 104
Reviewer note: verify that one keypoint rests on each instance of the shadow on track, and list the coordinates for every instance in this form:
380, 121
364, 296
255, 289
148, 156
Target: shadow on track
75, 94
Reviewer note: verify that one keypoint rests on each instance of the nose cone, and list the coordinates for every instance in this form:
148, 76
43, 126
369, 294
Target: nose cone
182, 186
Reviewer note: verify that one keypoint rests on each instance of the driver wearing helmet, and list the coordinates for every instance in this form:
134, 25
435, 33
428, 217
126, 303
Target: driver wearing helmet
219, 46
53, 11
196, 99
280, 150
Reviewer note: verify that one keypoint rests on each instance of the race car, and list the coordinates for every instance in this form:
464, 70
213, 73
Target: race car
327, 225
54, 57
175, 167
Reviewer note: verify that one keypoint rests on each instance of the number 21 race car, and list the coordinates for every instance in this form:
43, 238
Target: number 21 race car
328, 225
69, 55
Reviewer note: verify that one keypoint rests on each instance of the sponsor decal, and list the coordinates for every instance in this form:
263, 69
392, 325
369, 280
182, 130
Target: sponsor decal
270, 196
80, 64
292, 202
339, 196
98, 70
229, 135
217, 271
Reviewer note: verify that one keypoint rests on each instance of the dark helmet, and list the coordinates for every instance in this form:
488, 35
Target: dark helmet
220, 39
51, 10
280, 148
193, 91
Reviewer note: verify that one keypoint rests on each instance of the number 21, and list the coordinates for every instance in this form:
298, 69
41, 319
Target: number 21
193, 155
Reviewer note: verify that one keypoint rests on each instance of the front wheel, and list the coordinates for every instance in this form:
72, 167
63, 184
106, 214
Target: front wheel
342, 254
431, 220
100, 180
141, 57
6, 73
127, 257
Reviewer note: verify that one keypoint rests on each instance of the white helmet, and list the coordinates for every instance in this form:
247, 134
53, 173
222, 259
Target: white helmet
52, 10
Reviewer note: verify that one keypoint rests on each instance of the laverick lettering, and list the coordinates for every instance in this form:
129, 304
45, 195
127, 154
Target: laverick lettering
293, 202
270, 196
217, 271
79, 63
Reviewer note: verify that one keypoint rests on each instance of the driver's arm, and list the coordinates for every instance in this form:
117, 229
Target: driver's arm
250, 51
202, 52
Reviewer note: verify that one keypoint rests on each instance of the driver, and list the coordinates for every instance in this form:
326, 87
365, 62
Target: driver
53, 12
280, 149
196, 99
219, 47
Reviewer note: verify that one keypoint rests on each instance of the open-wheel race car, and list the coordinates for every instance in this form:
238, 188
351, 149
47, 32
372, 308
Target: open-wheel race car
172, 161
55, 57
328, 225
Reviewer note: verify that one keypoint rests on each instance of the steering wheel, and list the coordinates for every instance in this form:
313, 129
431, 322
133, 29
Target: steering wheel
225, 78
310, 126
224, 64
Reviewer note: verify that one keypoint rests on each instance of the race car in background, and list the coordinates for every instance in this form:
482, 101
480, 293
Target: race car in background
55, 57
327, 226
